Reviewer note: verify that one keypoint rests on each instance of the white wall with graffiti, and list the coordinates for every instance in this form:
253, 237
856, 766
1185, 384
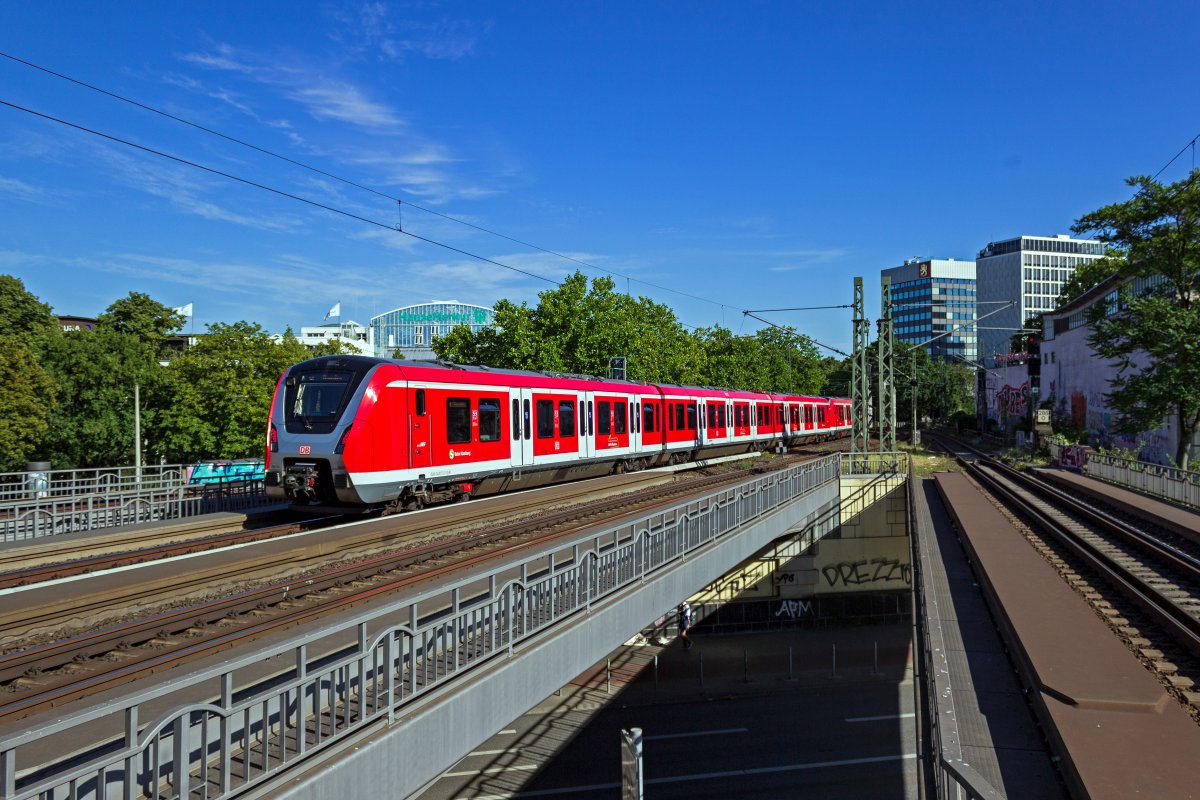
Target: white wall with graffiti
1076, 381
860, 545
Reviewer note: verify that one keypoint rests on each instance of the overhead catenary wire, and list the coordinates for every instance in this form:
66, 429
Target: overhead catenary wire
346, 181
285, 194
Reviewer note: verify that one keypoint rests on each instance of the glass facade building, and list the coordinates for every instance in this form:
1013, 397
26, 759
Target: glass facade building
1029, 270
412, 329
933, 305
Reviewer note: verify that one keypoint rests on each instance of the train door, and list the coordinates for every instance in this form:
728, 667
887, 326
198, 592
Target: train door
587, 425
420, 426
521, 427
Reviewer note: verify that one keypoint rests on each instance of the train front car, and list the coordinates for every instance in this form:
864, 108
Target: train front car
321, 424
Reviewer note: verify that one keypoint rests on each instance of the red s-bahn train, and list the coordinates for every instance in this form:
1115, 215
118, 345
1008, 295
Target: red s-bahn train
354, 432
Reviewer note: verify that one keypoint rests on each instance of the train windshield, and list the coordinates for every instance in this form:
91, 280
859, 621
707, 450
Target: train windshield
314, 400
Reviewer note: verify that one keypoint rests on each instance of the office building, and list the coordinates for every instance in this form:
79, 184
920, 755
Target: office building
412, 329
1030, 271
933, 305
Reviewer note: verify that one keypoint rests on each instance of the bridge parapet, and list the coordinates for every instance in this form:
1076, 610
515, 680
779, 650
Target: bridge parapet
248, 719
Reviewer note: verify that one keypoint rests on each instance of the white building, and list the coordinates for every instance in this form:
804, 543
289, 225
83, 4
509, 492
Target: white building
350, 332
935, 297
1029, 270
1077, 381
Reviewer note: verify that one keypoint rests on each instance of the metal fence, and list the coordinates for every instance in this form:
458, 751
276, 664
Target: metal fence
44, 503
940, 741
252, 726
1177, 485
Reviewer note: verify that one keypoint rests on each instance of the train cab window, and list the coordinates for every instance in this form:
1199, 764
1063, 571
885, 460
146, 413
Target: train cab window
458, 420
545, 419
619, 418
648, 417
566, 417
516, 419
603, 417
420, 402
691, 416
489, 419
525, 417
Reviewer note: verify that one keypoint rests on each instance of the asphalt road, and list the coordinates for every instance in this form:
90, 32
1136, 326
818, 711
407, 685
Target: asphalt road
750, 730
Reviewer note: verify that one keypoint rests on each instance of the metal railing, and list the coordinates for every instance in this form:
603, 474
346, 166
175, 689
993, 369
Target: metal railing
941, 749
1170, 483
252, 726
45, 503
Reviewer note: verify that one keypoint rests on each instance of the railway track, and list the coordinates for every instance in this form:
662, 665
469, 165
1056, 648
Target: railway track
1144, 584
60, 669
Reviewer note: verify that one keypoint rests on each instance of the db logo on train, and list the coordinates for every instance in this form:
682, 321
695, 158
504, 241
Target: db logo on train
306, 449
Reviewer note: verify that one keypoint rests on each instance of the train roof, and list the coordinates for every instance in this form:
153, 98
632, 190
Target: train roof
423, 369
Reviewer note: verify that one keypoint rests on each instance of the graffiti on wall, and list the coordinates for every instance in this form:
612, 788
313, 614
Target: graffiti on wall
859, 573
795, 609
1013, 401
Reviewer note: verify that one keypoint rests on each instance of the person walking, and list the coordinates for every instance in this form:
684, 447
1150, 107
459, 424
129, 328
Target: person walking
684, 613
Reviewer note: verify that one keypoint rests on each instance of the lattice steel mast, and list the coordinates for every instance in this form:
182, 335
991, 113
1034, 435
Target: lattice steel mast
887, 384
860, 441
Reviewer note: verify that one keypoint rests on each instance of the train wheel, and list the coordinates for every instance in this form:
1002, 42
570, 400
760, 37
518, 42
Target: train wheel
462, 498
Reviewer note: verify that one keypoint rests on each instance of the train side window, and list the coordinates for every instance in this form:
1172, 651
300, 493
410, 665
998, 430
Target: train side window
712, 415
420, 402
648, 417
566, 417
603, 417
591, 418
516, 420
721, 415
458, 420
778, 415
619, 417
636, 417
582, 417
489, 419
528, 427
691, 416
545, 419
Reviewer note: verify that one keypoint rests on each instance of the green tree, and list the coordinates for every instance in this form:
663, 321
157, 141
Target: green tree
1154, 235
24, 316
577, 328
95, 372
144, 318
222, 389
25, 404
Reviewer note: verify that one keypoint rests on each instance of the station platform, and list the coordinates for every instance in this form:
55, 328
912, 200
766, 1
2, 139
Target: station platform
988, 716
1181, 521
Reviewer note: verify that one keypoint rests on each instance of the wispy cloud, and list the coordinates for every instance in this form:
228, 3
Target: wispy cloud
20, 190
371, 29
323, 97
186, 189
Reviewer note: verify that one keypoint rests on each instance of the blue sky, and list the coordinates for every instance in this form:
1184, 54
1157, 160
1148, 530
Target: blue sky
745, 155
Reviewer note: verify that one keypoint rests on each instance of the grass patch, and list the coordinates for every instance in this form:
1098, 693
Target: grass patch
926, 462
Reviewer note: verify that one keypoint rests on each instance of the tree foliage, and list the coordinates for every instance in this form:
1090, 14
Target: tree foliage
25, 404
577, 327
221, 393
1155, 234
